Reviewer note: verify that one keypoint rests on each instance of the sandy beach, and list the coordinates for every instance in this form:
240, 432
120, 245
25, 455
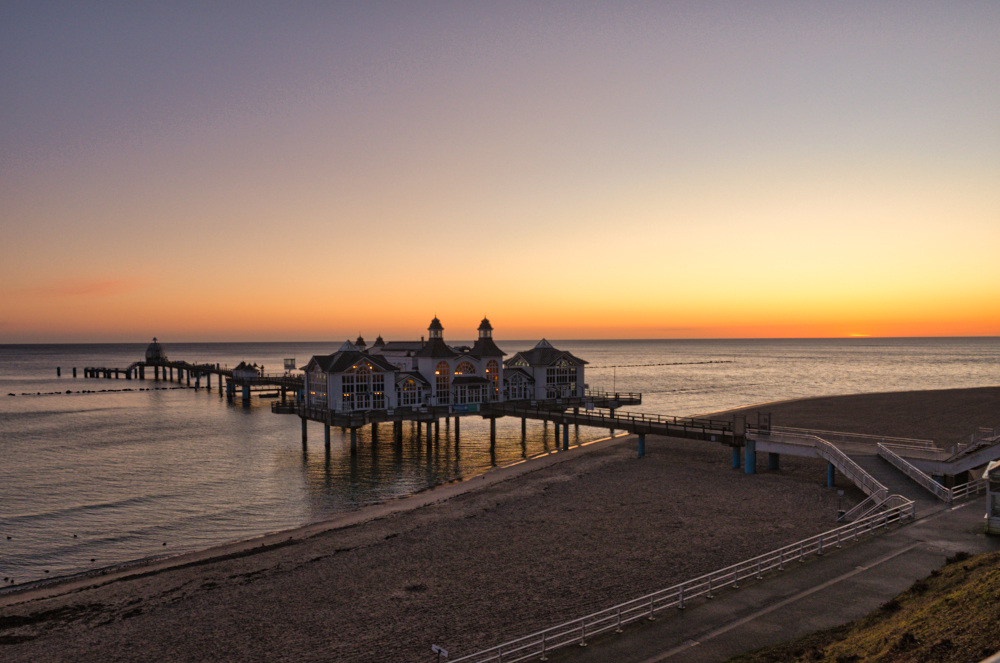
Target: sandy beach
474, 563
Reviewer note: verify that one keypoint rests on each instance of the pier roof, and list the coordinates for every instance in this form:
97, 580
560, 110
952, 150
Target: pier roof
508, 373
412, 375
436, 348
409, 346
544, 354
341, 361
485, 347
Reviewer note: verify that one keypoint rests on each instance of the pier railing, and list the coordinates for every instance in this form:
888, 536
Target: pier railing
829, 452
578, 631
943, 493
904, 442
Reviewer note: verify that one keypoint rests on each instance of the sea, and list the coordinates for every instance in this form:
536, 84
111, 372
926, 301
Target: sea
97, 473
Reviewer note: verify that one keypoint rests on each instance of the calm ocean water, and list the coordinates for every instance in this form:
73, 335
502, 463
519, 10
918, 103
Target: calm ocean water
89, 480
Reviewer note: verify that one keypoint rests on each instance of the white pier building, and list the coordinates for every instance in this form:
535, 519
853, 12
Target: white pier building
422, 373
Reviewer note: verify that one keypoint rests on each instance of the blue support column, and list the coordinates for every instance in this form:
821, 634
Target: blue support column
830, 473
326, 435
751, 461
305, 436
354, 441
736, 458
773, 460
246, 393
565, 431
642, 445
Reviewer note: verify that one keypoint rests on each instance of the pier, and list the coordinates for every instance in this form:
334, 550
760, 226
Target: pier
595, 409
425, 382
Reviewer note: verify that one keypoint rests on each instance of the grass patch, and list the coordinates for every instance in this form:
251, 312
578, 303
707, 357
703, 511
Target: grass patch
950, 616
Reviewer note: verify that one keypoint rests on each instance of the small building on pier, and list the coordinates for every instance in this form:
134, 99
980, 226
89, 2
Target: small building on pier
245, 371
432, 373
545, 372
155, 354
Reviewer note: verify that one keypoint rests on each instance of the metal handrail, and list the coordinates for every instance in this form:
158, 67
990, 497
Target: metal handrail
863, 508
577, 631
943, 493
914, 473
832, 454
624, 417
902, 441
973, 487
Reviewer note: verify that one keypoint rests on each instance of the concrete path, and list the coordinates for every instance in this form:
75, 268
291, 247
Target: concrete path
822, 592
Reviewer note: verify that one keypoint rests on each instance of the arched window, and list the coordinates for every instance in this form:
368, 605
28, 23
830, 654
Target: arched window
465, 368
443, 373
409, 393
493, 375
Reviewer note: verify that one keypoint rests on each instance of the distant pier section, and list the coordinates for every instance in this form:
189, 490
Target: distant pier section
427, 381
248, 379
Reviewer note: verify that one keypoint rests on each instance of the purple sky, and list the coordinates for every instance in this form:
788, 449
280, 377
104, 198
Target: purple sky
463, 158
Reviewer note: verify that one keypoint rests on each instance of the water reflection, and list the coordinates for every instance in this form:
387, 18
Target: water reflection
424, 456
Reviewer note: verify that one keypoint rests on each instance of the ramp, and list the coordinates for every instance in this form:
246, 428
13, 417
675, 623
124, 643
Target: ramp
897, 482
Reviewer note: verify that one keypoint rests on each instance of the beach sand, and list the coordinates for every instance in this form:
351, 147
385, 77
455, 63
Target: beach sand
471, 564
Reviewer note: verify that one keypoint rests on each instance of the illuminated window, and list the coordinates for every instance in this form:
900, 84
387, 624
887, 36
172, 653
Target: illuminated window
317, 389
465, 368
493, 374
358, 387
560, 379
443, 383
517, 388
409, 393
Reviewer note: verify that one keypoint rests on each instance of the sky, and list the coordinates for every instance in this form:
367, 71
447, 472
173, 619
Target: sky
310, 171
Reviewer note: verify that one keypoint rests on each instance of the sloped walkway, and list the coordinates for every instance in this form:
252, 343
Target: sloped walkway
820, 593
898, 483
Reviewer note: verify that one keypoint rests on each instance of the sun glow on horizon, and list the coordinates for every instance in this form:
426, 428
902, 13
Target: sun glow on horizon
363, 167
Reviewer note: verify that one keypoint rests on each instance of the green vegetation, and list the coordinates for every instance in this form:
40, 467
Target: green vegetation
950, 616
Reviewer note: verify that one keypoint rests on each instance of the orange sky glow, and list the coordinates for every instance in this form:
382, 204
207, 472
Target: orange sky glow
633, 172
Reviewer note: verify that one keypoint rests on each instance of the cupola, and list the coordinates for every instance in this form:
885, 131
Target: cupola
436, 330
485, 329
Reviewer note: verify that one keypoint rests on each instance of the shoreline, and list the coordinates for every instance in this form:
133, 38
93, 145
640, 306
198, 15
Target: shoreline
786, 401
137, 568
154, 564
48, 587
470, 563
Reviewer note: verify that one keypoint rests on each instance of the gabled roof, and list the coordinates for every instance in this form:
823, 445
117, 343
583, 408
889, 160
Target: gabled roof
339, 362
436, 347
412, 375
485, 347
545, 355
508, 373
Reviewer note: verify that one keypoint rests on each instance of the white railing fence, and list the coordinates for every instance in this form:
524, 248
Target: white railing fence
861, 437
927, 481
844, 464
967, 489
863, 508
578, 631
